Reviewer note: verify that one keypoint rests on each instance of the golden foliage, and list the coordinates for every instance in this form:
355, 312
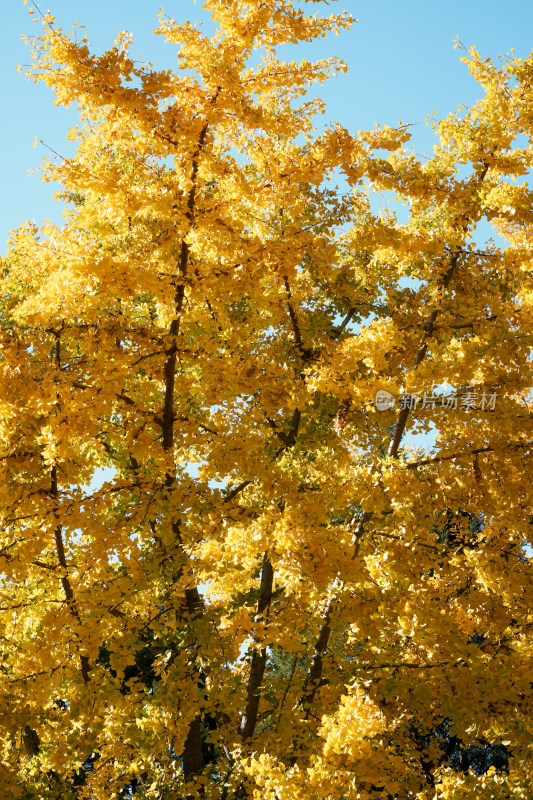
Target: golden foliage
265, 594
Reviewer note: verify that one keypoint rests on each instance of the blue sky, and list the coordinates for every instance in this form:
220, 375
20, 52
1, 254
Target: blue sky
402, 66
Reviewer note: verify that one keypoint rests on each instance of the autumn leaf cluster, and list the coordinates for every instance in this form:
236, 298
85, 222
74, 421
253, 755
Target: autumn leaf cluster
224, 573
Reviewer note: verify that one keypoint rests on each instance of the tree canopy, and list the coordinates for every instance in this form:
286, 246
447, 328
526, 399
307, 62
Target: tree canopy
267, 593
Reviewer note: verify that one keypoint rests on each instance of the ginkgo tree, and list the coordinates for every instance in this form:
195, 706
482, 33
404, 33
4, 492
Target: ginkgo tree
268, 594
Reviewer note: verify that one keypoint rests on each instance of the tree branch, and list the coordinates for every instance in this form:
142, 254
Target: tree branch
58, 537
305, 352
258, 664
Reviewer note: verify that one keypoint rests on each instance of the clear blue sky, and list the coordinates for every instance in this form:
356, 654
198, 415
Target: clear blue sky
401, 59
